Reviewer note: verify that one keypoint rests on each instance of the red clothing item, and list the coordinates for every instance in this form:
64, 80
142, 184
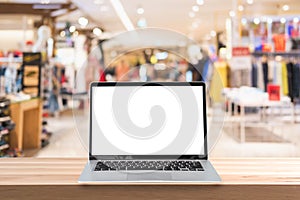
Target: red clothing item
279, 42
63, 79
102, 75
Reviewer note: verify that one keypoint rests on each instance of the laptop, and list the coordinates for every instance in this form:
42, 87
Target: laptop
148, 132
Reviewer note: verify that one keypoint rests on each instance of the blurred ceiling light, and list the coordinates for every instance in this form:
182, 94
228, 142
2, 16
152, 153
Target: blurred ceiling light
97, 31
72, 28
140, 10
296, 20
282, 20
285, 7
161, 55
231, 13
244, 21
45, 1
119, 9
213, 33
256, 20
83, 21
195, 8
62, 34
191, 14
200, 2
241, 8
250, 2
142, 23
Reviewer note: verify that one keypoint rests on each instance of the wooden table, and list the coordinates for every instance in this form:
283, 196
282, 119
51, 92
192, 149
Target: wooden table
27, 116
56, 178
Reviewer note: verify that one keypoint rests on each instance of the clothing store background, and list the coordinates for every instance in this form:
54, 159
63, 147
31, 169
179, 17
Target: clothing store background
247, 52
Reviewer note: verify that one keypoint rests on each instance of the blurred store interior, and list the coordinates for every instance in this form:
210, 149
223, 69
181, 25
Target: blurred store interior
247, 52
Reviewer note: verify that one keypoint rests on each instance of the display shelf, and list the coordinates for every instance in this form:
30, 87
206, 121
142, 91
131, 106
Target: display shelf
26, 134
4, 146
4, 132
284, 54
13, 60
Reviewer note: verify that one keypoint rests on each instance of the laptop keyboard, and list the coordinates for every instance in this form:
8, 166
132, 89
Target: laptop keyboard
162, 165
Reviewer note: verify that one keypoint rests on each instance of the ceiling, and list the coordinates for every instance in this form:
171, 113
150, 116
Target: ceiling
172, 14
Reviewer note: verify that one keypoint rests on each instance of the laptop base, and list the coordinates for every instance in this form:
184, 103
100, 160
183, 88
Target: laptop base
90, 176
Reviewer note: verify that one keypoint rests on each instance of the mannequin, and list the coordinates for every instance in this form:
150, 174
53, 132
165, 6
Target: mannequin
44, 33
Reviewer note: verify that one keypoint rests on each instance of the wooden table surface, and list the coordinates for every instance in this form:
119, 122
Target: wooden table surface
242, 178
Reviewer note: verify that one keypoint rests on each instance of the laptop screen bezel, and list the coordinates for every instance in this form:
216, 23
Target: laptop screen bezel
146, 157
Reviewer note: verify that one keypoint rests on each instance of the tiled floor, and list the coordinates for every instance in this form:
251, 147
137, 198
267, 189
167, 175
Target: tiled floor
66, 141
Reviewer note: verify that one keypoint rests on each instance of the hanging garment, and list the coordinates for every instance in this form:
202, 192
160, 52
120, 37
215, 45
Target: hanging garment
254, 75
289, 67
260, 78
296, 80
265, 68
240, 77
271, 67
219, 80
284, 75
278, 75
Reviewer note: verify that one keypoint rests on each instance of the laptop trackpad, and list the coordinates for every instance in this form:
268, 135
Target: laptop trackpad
149, 176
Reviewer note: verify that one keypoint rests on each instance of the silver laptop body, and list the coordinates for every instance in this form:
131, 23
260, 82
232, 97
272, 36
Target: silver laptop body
148, 132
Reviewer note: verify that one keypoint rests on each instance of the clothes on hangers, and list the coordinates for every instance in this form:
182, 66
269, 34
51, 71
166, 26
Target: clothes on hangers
254, 75
284, 75
260, 77
265, 68
296, 80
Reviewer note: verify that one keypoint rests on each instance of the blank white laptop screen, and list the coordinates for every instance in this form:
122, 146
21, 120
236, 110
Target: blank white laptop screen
147, 120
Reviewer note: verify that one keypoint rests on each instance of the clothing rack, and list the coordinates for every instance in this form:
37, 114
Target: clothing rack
291, 61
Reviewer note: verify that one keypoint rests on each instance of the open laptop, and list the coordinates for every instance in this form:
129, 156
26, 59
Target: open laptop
148, 132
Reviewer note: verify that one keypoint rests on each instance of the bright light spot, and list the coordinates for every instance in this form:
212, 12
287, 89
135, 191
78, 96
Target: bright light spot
285, 7
231, 13
142, 23
83, 21
140, 11
241, 8
97, 31
195, 8
282, 20
250, 2
256, 20
191, 14
62, 34
296, 20
45, 1
213, 33
72, 29
244, 21
200, 2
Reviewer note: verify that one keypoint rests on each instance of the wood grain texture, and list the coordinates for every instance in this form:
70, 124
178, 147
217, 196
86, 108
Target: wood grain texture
56, 178
26, 134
